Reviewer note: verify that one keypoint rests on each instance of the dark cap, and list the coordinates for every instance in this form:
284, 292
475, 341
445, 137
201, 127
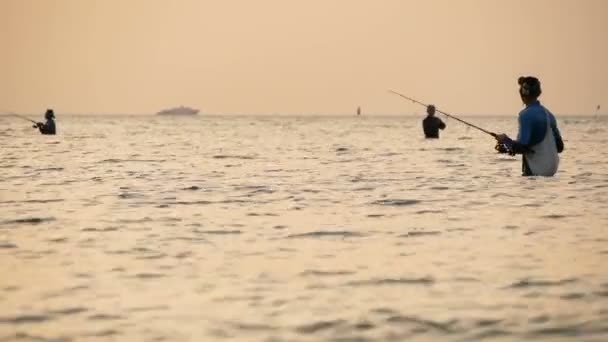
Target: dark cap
49, 114
529, 86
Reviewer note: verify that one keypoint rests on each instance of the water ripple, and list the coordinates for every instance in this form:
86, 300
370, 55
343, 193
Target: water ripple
526, 283
393, 281
324, 233
28, 220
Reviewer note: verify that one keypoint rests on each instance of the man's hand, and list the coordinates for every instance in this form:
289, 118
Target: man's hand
501, 148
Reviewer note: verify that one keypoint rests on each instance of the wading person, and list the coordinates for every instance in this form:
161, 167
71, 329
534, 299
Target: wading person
539, 139
432, 124
47, 128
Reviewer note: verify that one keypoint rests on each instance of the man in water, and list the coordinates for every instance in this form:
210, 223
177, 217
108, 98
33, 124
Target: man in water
49, 126
539, 139
432, 124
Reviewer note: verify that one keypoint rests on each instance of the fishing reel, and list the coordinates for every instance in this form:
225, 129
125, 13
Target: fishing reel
504, 148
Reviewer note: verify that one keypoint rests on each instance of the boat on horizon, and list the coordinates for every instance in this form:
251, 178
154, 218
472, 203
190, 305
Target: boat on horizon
181, 110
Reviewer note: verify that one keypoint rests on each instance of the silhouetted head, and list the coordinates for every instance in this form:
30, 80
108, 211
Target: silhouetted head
430, 110
529, 89
49, 114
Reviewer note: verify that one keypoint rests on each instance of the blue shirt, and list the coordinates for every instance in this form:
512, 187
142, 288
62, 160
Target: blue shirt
533, 126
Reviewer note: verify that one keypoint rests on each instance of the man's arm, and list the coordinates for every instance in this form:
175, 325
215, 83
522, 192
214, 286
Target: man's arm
521, 145
44, 128
441, 124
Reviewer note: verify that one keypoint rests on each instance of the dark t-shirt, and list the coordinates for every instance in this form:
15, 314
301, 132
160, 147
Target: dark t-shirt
431, 126
48, 127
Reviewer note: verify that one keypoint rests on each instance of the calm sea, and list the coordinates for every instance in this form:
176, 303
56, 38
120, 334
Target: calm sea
143, 228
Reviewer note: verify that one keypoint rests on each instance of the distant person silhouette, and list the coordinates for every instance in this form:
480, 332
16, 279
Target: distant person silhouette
432, 124
48, 128
539, 139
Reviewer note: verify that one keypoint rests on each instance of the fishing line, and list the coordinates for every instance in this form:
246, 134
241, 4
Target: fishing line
444, 113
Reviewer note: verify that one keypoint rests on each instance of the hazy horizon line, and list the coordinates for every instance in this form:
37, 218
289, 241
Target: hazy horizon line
588, 115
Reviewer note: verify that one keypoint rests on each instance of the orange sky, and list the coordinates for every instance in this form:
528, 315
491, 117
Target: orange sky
300, 57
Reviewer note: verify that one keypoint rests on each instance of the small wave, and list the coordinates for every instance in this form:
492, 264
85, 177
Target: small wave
45, 201
262, 214
320, 234
29, 220
189, 203
526, 283
219, 232
419, 233
316, 327
115, 160
151, 257
533, 205
460, 229
554, 216
505, 160
573, 296
148, 308
227, 156
32, 201
393, 281
58, 240
425, 323
106, 229
149, 275
567, 330
253, 327
25, 319
128, 195
429, 211
255, 190
318, 273
601, 293
50, 169
375, 215
104, 317
396, 202
65, 292
141, 220
503, 194
491, 334
466, 280
7, 245
103, 333
69, 311
365, 188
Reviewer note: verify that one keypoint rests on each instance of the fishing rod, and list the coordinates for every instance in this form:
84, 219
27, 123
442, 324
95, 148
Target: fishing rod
22, 117
446, 114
